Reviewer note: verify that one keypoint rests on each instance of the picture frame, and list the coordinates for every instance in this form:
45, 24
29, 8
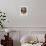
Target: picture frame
24, 11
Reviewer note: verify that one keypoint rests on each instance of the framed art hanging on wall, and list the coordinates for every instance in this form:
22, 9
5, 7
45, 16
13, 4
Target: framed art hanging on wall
23, 10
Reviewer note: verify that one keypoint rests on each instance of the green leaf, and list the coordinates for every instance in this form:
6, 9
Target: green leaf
0, 12
4, 13
3, 19
0, 21
2, 26
4, 16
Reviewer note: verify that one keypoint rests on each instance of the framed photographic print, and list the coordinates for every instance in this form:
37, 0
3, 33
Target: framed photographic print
23, 10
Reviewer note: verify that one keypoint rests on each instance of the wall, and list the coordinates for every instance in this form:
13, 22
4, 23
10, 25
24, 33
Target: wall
39, 13
36, 19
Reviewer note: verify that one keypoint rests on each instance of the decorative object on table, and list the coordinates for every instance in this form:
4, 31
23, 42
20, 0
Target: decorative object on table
2, 18
29, 39
24, 10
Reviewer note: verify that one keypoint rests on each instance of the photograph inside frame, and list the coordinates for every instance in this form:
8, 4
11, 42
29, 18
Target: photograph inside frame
24, 11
